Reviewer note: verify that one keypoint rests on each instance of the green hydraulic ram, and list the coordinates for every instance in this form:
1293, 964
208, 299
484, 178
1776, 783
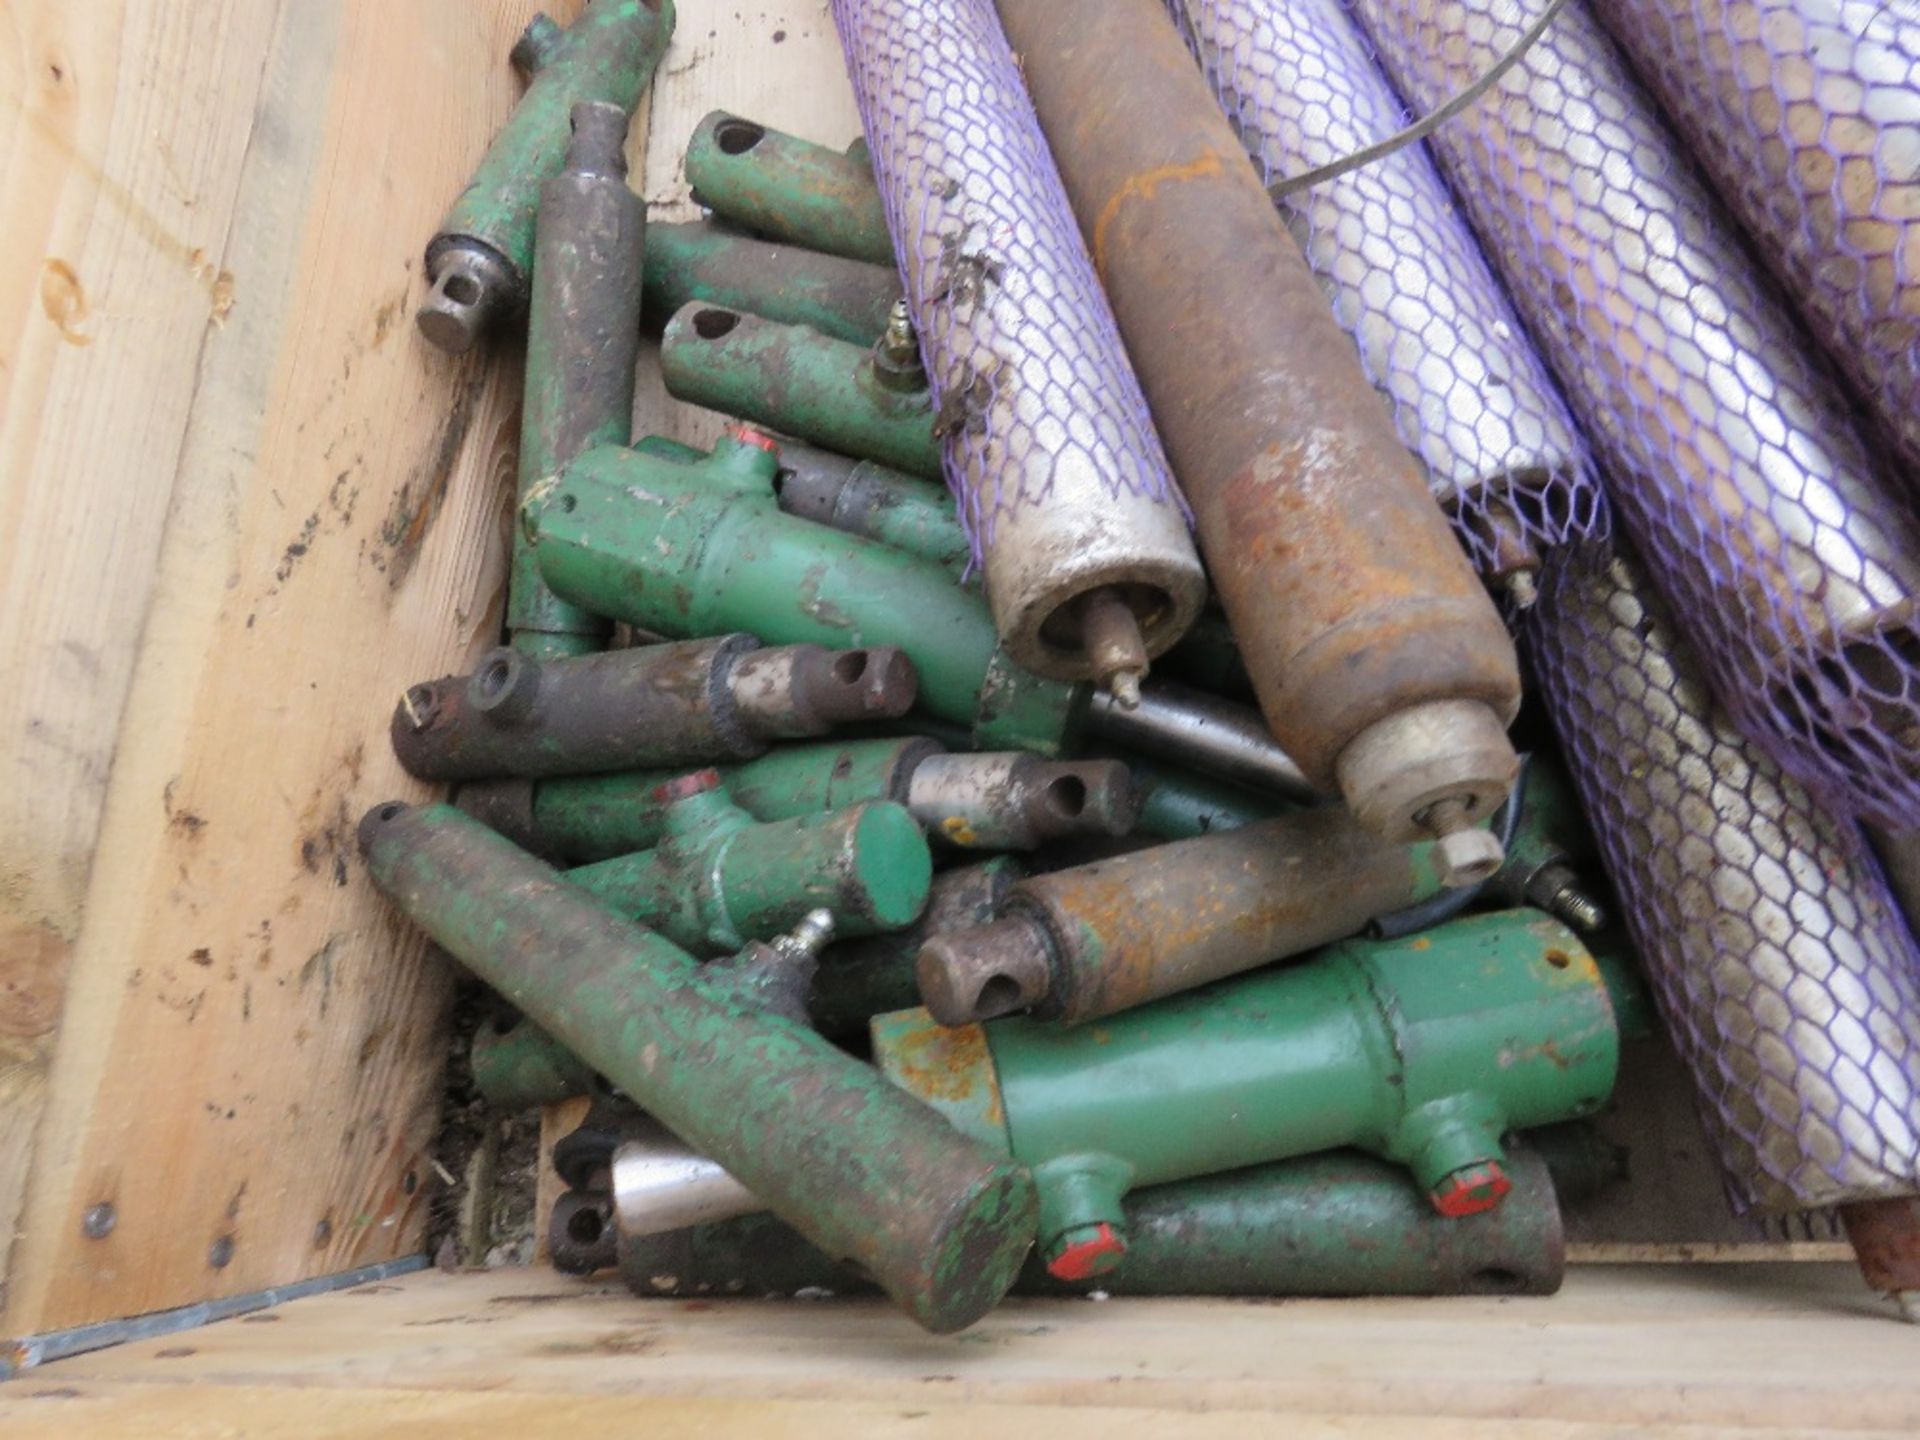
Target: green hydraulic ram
718, 878
1007, 800
701, 548
518, 1066
802, 383
479, 264
698, 260
582, 344
788, 189
1342, 1223
1079, 944
864, 1171
681, 704
1424, 1051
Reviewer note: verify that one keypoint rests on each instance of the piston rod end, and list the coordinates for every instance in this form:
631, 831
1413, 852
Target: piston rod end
967, 976
1116, 650
473, 287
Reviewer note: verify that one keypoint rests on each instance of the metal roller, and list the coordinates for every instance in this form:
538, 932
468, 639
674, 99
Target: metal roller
1075, 519
1735, 462
1806, 115
1380, 664
1406, 278
1783, 971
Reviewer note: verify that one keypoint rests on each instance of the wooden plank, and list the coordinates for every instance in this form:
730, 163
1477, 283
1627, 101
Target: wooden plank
248, 1065
1743, 1348
118, 172
155, 1412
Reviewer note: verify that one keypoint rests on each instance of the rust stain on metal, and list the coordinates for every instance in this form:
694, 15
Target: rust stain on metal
1143, 186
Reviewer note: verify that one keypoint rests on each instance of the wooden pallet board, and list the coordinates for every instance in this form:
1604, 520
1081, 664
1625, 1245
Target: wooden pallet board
246, 506
1753, 1349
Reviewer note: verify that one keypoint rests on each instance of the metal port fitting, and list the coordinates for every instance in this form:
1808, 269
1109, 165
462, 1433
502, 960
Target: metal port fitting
1433, 772
473, 287
896, 357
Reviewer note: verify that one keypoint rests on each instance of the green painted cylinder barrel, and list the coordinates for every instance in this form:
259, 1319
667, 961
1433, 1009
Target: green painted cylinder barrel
700, 548
698, 260
518, 1066
1423, 1050
864, 1171
718, 878
480, 262
1338, 1224
788, 188
799, 382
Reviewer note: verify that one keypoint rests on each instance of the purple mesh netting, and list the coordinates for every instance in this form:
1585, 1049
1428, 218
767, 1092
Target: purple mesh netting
1806, 114
1735, 464
1404, 274
1025, 362
1780, 962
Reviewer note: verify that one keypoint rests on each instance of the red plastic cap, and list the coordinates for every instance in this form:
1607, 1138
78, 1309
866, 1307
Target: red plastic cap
1096, 1252
747, 435
698, 783
1469, 1191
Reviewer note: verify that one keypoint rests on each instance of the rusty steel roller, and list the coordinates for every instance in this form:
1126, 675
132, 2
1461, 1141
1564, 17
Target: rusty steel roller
1806, 115
1079, 530
1779, 959
1406, 279
1791, 560
1380, 663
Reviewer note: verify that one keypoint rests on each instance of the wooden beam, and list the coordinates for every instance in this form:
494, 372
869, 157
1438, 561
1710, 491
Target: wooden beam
247, 1071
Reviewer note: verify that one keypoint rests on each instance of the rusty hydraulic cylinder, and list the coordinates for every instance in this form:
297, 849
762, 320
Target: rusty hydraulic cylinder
862, 1170
479, 263
676, 704
1082, 943
583, 341
1343, 1223
787, 188
699, 260
1380, 662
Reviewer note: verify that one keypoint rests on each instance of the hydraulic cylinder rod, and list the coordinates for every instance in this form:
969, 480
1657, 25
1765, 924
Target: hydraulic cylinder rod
1082, 943
862, 1170
1424, 1051
680, 704
1381, 664
479, 264
582, 343
787, 188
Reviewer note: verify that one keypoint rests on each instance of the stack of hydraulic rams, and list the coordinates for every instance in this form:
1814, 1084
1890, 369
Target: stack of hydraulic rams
1030, 807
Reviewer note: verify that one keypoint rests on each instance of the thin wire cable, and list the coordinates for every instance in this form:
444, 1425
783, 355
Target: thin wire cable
1428, 123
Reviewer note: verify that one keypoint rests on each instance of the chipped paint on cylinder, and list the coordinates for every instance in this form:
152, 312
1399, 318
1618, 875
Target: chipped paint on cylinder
1343, 1223
861, 1169
699, 260
697, 548
788, 188
799, 382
